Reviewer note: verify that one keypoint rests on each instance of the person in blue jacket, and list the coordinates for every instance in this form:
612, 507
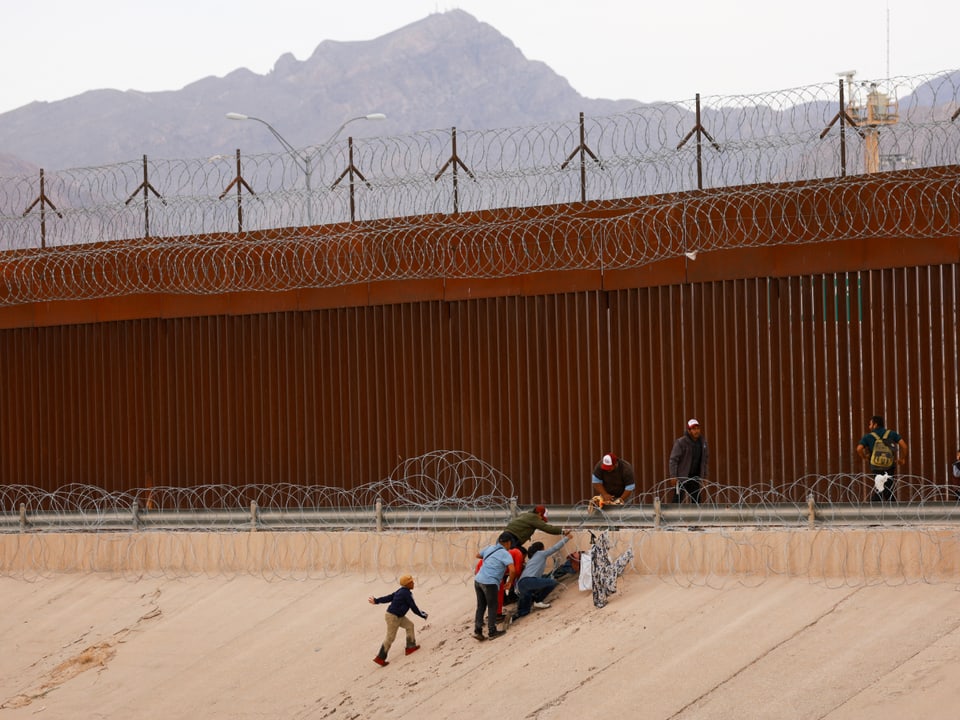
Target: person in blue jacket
534, 584
401, 601
495, 562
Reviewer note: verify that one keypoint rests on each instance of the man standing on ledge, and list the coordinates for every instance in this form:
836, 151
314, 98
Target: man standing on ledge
613, 480
688, 461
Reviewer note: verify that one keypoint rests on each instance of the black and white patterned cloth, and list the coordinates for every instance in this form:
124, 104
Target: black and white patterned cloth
604, 572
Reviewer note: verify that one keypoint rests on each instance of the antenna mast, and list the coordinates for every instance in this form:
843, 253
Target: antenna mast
888, 41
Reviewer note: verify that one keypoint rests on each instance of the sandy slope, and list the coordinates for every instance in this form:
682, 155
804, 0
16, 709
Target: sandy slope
91, 646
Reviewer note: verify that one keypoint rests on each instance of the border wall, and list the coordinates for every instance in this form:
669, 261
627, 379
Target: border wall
807, 308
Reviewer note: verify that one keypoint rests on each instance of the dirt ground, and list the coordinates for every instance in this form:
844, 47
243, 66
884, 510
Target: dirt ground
92, 645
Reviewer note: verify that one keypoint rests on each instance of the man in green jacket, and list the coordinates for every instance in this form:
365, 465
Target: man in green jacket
522, 528
524, 525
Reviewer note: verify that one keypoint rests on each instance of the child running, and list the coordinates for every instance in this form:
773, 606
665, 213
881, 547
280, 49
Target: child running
401, 601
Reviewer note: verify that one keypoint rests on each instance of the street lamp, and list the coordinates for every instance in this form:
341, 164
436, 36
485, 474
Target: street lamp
304, 161
371, 116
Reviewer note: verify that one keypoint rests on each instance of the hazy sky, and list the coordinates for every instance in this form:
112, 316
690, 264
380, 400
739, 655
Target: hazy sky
645, 51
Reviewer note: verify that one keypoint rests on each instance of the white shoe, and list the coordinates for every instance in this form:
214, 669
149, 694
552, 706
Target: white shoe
541, 605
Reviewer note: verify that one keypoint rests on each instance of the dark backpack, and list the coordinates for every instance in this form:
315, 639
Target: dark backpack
570, 567
882, 456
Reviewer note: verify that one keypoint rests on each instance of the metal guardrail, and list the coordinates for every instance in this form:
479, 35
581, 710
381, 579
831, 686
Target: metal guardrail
379, 519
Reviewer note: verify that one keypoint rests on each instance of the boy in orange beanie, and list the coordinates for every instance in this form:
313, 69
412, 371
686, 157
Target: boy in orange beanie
401, 601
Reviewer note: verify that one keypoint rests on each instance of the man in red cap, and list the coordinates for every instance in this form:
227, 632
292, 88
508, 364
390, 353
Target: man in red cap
688, 461
613, 480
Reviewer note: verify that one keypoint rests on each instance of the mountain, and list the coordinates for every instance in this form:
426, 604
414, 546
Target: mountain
939, 90
447, 70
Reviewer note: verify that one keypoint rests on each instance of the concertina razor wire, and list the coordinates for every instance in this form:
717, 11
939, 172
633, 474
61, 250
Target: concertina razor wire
189, 226
906, 548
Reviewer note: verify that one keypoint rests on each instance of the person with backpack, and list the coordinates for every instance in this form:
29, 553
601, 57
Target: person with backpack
495, 561
883, 449
519, 555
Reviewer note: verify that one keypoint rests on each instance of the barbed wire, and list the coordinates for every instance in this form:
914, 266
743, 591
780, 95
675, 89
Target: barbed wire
616, 237
452, 480
764, 541
441, 479
421, 494
210, 225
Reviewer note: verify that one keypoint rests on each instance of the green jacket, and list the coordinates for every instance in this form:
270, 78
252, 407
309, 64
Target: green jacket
525, 524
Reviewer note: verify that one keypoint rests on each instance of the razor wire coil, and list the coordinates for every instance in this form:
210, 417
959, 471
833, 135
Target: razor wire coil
178, 226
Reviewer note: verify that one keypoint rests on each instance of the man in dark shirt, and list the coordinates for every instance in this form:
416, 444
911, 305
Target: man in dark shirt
613, 480
688, 461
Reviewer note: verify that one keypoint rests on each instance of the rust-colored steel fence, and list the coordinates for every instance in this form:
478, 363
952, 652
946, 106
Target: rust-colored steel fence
781, 371
589, 288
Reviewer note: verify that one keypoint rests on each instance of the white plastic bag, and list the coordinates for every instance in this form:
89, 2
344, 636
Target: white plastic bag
880, 480
586, 574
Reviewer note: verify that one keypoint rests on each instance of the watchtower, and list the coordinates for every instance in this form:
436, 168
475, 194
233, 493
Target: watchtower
870, 107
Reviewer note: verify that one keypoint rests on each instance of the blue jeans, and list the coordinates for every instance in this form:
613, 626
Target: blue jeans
531, 589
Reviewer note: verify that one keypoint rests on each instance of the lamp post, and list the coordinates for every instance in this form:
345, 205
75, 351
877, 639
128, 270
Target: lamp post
304, 161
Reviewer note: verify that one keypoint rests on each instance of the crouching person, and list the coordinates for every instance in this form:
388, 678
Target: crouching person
533, 587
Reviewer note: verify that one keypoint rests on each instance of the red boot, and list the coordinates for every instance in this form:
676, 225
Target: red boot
410, 650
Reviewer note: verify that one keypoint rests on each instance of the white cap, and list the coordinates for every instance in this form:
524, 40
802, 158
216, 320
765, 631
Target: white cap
693, 422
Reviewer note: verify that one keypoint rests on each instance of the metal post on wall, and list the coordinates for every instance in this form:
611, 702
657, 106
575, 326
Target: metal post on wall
240, 183
843, 119
700, 131
43, 201
699, 149
456, 162
843, 134
353, 171
147, 188
582, 150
